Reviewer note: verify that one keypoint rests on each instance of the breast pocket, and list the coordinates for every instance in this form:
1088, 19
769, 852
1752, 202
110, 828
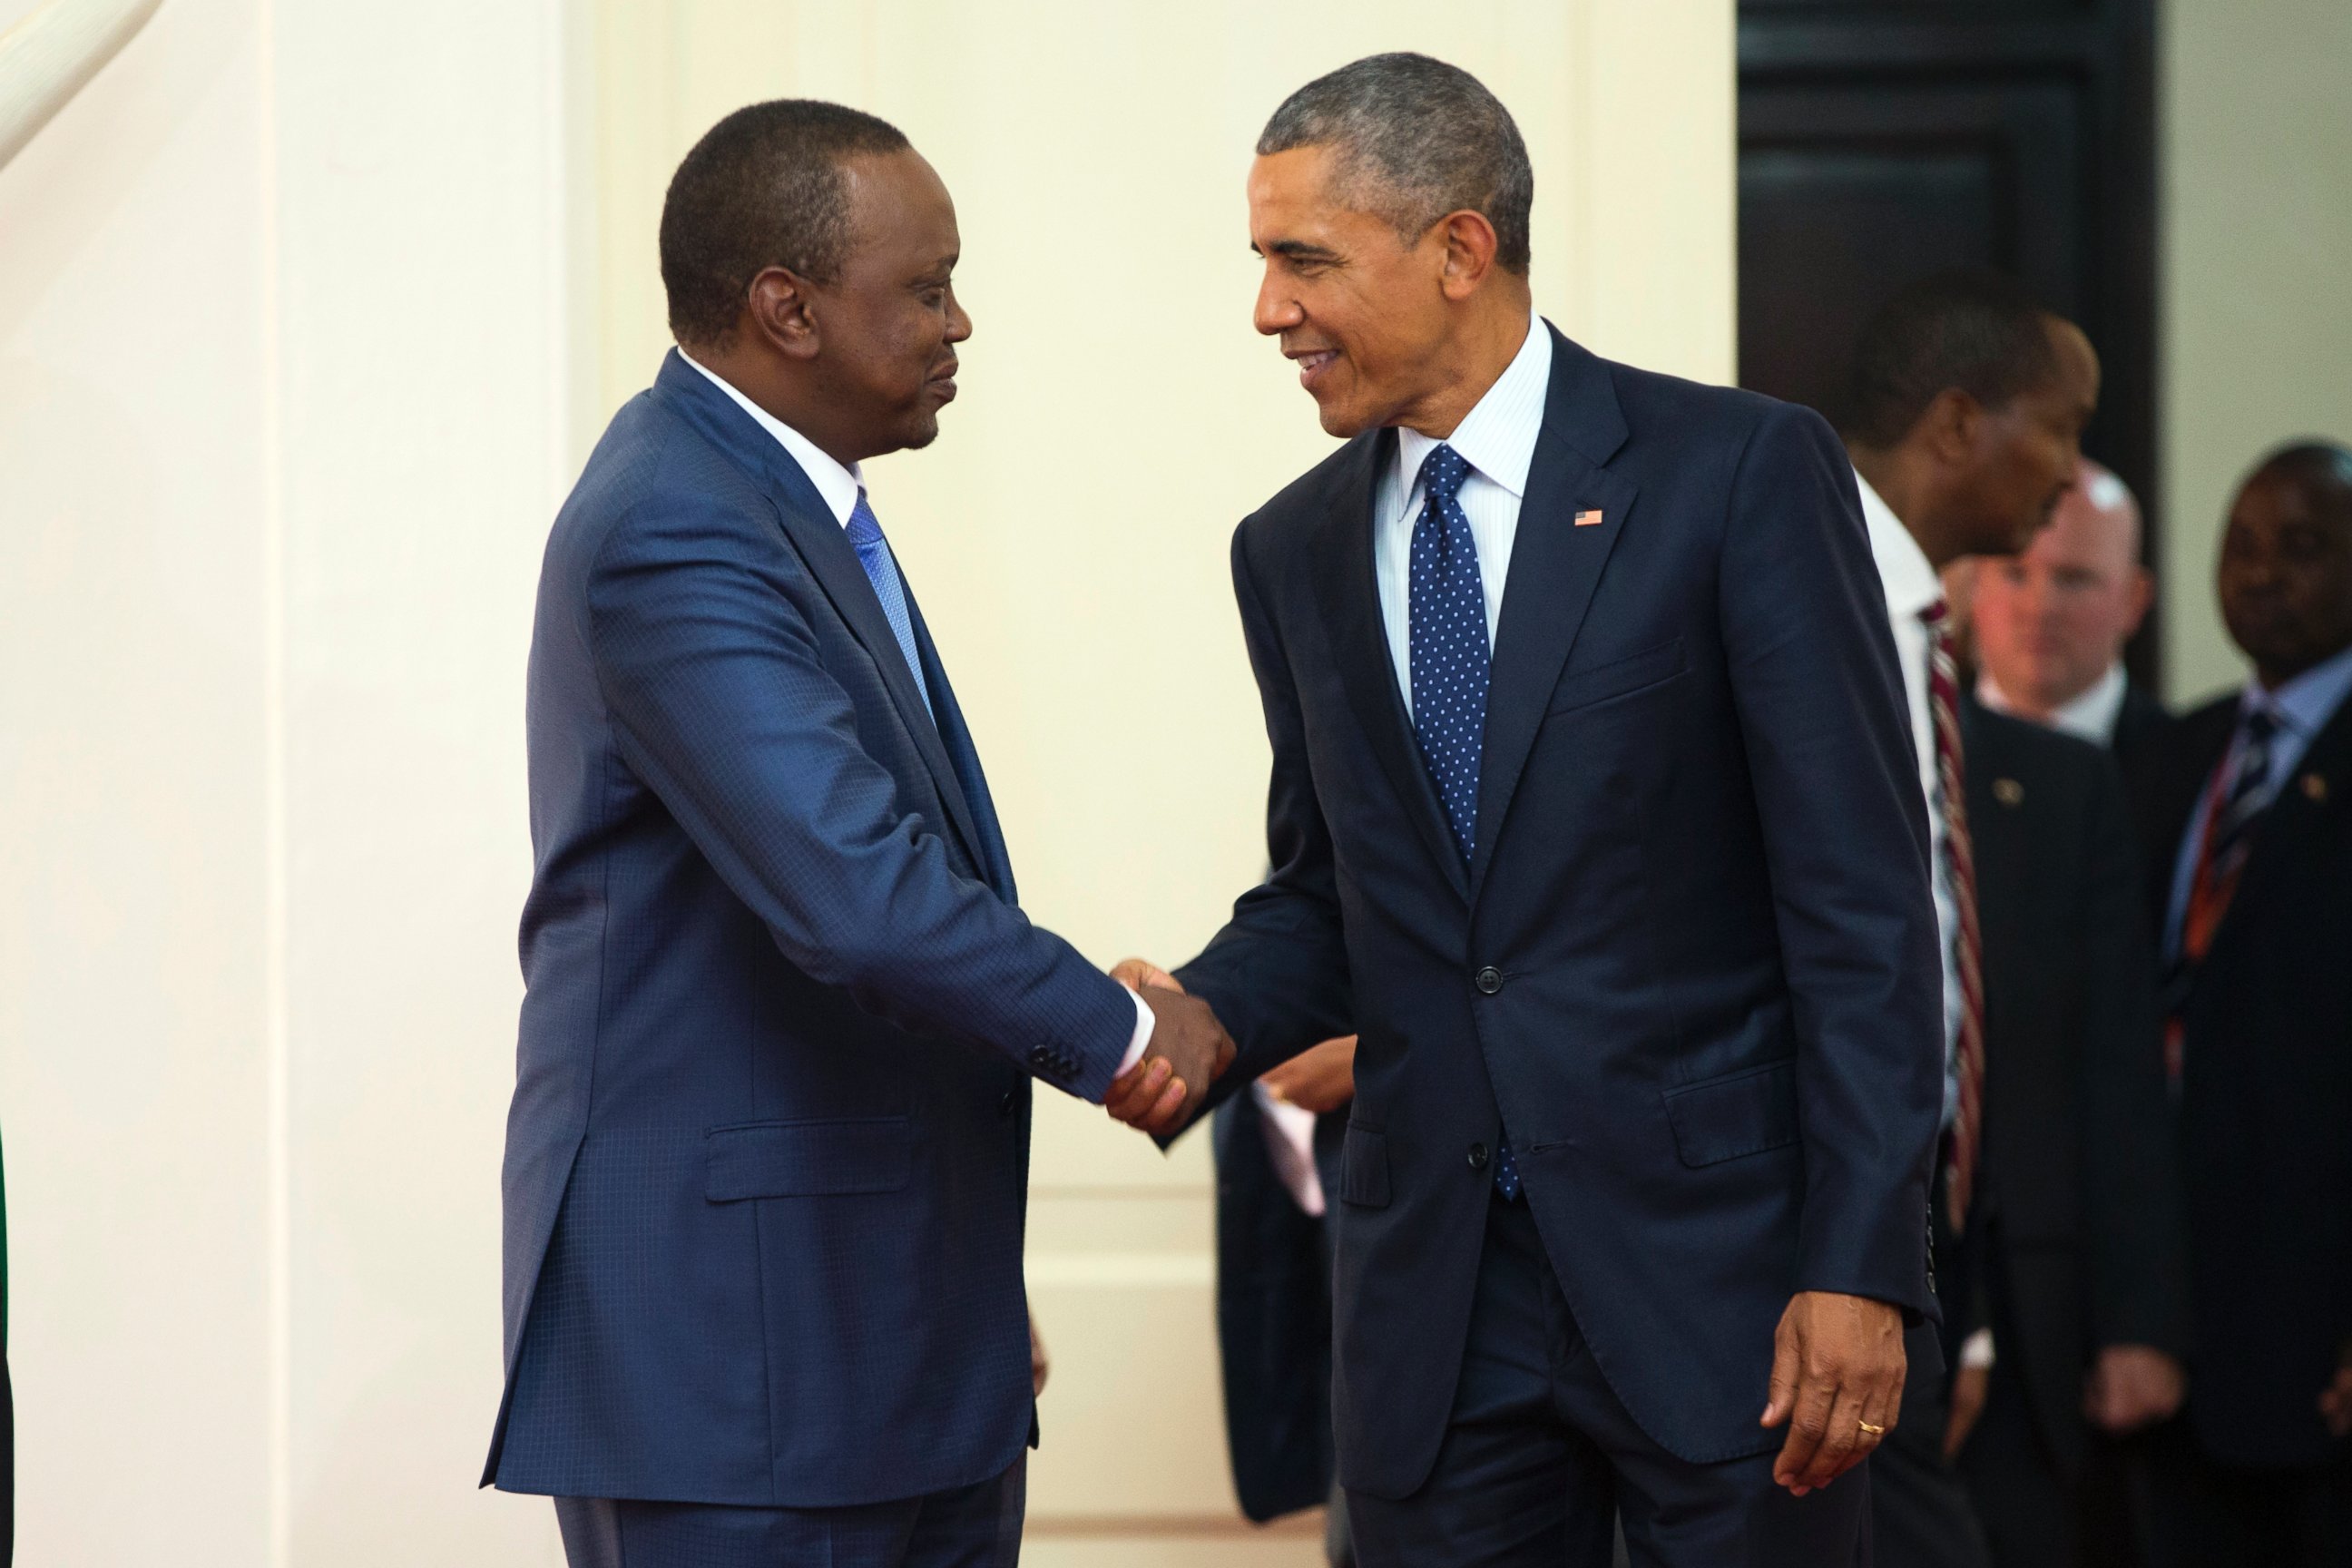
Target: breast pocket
1617, 678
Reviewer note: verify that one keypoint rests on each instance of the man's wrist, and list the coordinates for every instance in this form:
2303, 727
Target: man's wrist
1140, 1041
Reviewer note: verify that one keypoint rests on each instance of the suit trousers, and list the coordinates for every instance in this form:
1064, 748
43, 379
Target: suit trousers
1539, 1457
2212, 1515
977, 1526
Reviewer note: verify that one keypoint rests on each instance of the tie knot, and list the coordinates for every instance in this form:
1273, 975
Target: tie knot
2261, 724
864, 528
1442, 473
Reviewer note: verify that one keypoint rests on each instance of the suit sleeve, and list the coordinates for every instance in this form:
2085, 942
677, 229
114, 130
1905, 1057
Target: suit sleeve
1846, 836
2136, 1227
721, 705
1277, 975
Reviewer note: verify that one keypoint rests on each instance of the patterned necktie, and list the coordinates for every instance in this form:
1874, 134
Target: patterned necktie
874, 553
2234, 804
1959, 857
1450, 661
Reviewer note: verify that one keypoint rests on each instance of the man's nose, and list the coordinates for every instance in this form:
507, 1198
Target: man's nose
958, 321
1276, 310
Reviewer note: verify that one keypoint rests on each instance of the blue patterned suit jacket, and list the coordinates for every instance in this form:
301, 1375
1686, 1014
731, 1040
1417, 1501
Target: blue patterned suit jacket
768, 1153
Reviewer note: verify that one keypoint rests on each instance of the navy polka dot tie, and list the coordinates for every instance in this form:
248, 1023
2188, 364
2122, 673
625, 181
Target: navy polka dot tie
1448, 640
1449, 663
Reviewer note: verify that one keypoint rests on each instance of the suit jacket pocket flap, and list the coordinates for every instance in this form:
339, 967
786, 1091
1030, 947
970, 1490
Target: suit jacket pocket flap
1364, 1169
807, 1159
1745, 1112
1583, 688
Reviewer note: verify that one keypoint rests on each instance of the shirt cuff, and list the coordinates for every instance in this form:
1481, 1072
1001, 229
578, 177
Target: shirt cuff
1975, 1350
1290, 1144
1141, 1039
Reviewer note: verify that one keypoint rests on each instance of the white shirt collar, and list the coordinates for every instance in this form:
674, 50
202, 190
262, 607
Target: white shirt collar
1911, 582
1497, 437
838, 487
2090, 715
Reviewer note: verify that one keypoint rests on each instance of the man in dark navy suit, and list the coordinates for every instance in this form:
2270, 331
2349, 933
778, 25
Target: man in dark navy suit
769, 1148
1593, 815
2252, 866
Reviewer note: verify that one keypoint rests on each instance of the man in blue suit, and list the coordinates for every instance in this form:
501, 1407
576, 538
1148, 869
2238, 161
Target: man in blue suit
769, 1147
1594, 814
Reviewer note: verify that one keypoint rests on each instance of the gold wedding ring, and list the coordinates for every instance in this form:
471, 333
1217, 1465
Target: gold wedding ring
1874, 1431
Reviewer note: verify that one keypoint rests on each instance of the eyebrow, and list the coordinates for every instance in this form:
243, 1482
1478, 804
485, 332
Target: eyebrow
1298, 250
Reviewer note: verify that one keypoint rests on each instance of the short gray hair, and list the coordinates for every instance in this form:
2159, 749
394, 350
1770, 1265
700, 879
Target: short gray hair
1415, 138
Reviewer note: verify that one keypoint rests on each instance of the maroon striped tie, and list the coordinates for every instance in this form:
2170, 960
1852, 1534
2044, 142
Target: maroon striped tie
1944, 703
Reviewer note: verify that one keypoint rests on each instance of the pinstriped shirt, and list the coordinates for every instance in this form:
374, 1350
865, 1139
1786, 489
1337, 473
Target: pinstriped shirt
1498, 440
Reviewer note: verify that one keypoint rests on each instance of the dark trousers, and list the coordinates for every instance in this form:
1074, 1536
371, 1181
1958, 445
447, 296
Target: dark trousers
971, 1527
2211, 1515
2031, 1515
1918, 1504
1539, 1457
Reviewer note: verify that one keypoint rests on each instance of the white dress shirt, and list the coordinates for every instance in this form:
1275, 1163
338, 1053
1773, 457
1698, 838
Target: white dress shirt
1912, 587
2089, 717
839, 486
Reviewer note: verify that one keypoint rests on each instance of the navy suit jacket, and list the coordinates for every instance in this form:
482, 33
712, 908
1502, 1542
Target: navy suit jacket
1691, 971
769, 1148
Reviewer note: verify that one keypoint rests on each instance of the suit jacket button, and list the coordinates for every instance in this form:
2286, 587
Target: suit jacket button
1477, 1156
1040, 1058
1005, 1106
1488, 980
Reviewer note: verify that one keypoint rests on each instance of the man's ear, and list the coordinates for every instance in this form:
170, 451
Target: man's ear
2143, 595
778, 308
1951, 423
1470, 245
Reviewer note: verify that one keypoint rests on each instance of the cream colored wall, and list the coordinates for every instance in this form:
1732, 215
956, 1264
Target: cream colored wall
1067, 533
2257, 238
284, 412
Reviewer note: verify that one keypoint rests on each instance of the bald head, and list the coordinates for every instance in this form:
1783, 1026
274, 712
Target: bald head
2052, 620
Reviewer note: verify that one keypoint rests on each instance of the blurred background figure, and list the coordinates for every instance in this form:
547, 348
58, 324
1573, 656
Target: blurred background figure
2055, 1213
2255, 887
1278, 1153
2050, 622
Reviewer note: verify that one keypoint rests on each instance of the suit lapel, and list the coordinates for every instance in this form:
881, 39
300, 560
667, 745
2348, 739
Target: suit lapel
1556, 563
955, 735
1350, 598
818, 539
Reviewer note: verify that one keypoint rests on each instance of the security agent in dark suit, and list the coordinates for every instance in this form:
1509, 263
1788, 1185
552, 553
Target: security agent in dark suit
2074, 1262
2256, 917
1594, 813
1966, 406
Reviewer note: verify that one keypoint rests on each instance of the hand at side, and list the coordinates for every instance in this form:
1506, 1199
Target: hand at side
1837, 1381
1320, 1079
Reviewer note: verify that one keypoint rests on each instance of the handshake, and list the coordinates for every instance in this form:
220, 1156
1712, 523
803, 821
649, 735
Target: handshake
1189, 1051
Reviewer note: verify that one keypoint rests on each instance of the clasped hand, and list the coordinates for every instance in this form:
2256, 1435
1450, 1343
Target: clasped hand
1189, 1050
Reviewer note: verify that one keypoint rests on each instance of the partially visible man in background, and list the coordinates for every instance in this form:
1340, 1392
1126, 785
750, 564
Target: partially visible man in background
2054, 1213
2255, 897
2052, 620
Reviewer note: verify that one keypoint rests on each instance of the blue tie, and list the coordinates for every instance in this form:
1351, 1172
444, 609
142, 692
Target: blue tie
874, 553
1450, 662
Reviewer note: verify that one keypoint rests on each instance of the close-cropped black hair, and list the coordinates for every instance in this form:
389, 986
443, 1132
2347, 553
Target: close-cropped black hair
763, 188
1975, 329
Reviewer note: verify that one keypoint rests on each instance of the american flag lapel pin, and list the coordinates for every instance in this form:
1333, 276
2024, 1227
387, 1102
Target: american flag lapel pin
1588, 518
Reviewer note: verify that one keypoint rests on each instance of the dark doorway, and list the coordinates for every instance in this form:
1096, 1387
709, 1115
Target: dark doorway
1883, 140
